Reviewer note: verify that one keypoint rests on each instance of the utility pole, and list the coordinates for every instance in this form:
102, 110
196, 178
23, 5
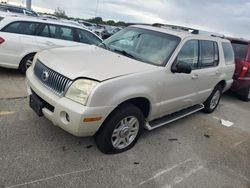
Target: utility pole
28, 4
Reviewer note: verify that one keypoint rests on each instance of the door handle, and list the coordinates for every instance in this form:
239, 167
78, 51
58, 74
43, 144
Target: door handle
49, 43
217, 72
195, 76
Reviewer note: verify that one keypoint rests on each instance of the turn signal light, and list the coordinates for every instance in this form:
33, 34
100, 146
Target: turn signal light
92, 119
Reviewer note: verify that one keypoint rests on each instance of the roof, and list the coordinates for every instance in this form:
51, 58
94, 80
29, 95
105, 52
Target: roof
241, 40
181, 31
11, 18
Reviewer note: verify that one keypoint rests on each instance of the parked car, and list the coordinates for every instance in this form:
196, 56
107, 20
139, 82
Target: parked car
90, 26
22, 37
17, 10
141, 77
107, 32
241, 85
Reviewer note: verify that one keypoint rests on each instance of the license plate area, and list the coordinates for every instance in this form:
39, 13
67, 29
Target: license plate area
36, 104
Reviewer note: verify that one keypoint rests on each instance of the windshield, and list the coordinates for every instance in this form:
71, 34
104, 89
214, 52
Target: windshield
144, 45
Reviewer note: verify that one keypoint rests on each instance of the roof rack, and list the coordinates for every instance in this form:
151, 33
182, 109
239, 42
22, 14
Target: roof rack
177, 27
188, 29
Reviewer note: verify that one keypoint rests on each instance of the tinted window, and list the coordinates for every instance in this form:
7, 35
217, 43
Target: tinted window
209, 55
45, 32
240, 50
26, 28
1, 18
87, 37
189, 53
57, 32
228, 53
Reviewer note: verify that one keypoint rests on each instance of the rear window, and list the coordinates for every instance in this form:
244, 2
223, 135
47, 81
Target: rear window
228, 52
240, 50
25, 28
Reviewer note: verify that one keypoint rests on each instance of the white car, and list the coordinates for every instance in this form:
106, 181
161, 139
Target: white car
141, 77
22, 37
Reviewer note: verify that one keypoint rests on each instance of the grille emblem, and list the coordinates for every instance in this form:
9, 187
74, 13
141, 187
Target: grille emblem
45, 76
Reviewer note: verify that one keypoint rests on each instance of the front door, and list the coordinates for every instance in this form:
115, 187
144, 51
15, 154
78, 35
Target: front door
180, 89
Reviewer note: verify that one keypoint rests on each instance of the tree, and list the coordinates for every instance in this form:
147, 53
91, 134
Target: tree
60, 13
111, 22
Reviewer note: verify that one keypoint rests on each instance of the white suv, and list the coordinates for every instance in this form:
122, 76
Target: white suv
22, 37
141, 77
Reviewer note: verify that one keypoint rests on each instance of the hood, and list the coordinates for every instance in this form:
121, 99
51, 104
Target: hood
90, 62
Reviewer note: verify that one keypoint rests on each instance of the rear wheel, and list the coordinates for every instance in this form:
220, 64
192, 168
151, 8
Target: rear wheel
213, 100
246, 95
121, 130
26, 62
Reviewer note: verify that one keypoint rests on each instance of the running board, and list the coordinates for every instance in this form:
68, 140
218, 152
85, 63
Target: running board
173, 117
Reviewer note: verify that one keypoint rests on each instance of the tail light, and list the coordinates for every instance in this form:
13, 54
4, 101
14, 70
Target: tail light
245, 69
2, 40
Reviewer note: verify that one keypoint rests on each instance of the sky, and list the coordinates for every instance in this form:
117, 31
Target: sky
229, 17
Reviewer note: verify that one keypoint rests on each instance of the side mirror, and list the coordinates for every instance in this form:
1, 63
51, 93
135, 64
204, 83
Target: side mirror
182, 67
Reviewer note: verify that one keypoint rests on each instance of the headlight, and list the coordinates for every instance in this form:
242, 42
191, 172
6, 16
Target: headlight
80, 90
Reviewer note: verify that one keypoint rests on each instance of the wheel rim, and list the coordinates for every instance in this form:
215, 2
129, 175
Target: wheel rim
29, 62
125, 132
249, 94
215, 99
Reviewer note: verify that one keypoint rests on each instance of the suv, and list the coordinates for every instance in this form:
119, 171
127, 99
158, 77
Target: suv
22, 37
17, 10
241, 84
141, 77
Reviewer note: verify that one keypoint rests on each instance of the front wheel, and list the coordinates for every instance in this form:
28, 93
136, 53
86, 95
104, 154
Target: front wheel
26, 62
213, 100
121, 130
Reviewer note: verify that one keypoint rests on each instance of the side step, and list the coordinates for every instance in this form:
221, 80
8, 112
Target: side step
173, 117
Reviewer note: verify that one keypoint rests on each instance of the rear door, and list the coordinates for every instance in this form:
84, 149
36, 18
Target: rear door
209, 70
51, 36
19, 40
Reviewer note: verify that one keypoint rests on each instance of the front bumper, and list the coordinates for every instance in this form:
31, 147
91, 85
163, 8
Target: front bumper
62, 106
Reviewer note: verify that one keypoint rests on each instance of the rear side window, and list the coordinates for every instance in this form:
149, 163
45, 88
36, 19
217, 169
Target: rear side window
228, 52
240, 50
209, 54
1, 18
57, 32
26, 28
87, 37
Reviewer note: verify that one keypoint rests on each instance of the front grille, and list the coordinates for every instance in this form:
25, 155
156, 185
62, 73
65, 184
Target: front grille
51, 79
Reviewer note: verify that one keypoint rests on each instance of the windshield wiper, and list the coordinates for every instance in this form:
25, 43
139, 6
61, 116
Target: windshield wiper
123, 52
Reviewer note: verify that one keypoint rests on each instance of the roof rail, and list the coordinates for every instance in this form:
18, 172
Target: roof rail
188, 29
177, 27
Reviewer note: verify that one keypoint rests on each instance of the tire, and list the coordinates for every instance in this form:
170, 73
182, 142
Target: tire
26, 62
213, 100
115, 135
245, 96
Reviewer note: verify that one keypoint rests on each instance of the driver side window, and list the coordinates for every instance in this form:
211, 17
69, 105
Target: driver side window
189, 53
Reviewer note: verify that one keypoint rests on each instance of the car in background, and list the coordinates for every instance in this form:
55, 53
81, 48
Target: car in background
22, 37
109, 31
90, 26
241, 85
141, 77
17, 10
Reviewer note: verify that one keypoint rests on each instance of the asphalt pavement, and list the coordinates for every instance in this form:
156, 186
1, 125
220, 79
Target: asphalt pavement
197, 151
